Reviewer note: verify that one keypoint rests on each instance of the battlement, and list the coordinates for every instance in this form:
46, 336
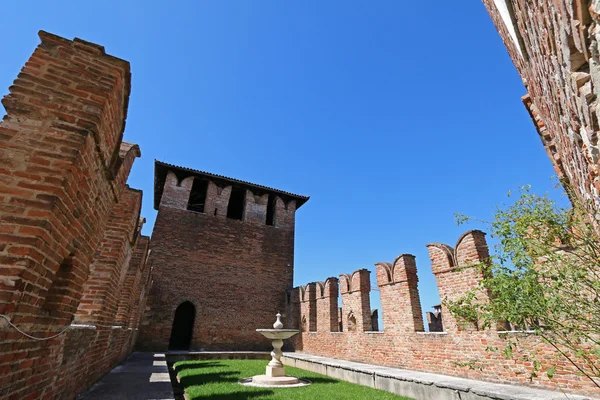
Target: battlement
71, 245
398, 286
223, 197
403, 343
212, 234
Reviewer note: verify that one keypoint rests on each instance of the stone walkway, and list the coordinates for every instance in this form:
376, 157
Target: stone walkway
142, 376
419, 385
145, 376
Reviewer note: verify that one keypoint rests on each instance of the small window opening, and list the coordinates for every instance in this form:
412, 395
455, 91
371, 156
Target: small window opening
61, 295
198, 195
271, 210
351, 322
235, 209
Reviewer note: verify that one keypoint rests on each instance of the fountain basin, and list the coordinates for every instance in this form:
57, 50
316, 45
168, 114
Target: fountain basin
268, 382
278, 334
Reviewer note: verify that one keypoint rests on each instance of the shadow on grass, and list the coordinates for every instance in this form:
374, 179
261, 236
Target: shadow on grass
198, 364
240, 395
212, 377
315, 379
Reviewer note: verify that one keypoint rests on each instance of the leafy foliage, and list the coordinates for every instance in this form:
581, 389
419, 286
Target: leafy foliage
544, 278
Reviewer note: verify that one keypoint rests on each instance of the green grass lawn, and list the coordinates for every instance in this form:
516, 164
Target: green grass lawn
218, 379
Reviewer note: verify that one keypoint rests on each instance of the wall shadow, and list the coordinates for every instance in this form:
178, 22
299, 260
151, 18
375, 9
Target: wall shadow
196, 365
240, 395
212, 377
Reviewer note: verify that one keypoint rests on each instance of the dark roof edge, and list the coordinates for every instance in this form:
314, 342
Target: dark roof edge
300, 199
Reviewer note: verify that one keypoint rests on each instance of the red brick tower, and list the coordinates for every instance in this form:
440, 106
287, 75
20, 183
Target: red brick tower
222, 254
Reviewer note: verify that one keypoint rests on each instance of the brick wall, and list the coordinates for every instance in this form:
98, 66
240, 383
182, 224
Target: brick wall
459, 350
327, 305
236, 273
399, 294
63, 168
554, 46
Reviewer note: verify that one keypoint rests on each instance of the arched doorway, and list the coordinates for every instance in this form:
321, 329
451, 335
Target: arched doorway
183, 327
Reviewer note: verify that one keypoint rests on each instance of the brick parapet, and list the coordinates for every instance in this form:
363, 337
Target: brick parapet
308, 307
456, 352
140, 288
456, 272
356, 301
285, 214
255, 210
176, 193
217, 199
63, 168
399, 294
100, 298
129, 290
128, 152
327, 305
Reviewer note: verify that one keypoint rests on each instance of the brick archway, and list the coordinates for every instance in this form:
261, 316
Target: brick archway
183, 327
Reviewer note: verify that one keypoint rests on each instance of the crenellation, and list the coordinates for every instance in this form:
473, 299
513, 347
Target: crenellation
293, 316
65, 170
74, 261
99, 301
128, 152
285, 213
383, 273
133, 272
356, 300
455, 270
403, 342
327, 305
399, 293
471, 247
255, 210
217, 199
176, 192
308, 306
138, 293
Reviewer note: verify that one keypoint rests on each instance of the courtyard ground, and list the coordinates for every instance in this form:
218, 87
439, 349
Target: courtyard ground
218, 379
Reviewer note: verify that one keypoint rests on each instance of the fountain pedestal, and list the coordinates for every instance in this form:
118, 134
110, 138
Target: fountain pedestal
275, 371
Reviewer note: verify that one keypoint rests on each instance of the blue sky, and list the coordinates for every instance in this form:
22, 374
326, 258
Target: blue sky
391, 115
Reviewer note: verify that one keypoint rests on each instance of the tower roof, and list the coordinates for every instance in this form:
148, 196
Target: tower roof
160, 174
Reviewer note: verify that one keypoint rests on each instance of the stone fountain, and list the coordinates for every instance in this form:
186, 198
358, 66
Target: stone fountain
275, 373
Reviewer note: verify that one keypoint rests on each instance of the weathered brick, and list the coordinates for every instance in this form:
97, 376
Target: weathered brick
236, 273
65, 206
403, 344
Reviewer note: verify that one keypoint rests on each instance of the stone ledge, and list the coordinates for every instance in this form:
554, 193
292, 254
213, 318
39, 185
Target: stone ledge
174, 356
419, 385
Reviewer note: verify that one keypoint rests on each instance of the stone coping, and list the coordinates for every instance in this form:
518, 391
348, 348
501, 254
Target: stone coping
174, 356
403, 381
208, 353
